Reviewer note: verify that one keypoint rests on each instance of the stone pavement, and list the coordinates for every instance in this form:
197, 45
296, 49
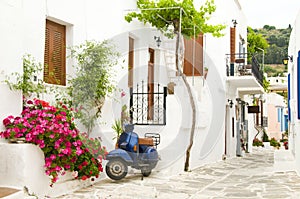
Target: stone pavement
250, 177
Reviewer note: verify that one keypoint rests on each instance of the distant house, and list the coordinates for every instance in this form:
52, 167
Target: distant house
277, 116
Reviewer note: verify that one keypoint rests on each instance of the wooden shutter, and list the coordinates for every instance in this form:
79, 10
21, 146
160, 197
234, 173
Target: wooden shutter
198, 57
130, 62
55, 53
232, 45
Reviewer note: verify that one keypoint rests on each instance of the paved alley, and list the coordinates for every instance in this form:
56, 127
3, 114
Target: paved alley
249, 177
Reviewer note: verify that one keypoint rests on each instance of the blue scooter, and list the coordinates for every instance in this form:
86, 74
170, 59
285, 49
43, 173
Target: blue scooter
139, 153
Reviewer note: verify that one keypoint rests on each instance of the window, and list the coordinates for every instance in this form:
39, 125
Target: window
55, 54
232, 44
130, 62
192, 48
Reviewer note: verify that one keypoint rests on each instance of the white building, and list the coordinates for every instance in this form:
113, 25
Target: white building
220, 99
278, 84
293, 92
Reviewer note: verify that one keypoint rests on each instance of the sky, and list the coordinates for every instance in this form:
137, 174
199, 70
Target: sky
278, 13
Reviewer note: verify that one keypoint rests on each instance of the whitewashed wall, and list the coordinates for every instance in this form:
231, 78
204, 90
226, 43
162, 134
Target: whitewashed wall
294, 125
98, 20
11, 56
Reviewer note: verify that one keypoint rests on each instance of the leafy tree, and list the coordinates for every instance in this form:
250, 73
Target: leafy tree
168, 22
255, 41
267, 27
278, 40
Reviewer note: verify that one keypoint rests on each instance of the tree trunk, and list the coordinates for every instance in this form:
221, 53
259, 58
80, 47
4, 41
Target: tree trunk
193, 106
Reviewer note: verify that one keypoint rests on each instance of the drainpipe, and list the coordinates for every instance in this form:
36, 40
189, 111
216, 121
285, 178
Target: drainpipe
261, 112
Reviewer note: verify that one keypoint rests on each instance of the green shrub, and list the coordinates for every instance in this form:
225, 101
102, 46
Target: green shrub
274, 143
257, 142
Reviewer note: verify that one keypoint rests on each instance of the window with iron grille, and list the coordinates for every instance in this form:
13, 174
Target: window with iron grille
144, 113
55, 53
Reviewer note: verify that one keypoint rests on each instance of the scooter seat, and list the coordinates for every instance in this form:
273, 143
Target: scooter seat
146, 141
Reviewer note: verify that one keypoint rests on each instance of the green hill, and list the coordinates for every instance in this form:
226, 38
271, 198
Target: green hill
278, 40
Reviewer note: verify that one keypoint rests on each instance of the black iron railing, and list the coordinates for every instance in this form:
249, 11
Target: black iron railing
256, 70
148, 104
236, 66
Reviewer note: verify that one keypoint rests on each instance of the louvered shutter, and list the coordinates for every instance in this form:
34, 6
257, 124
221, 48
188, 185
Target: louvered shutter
130, 62
197, 59
55, 54
232, 45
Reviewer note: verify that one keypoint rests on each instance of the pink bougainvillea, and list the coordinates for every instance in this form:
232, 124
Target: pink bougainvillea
52, 128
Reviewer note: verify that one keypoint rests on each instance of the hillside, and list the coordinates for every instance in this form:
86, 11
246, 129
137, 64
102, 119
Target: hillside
278, 40
275, 70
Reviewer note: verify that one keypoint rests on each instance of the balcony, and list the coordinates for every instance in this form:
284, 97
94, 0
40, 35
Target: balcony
246, 78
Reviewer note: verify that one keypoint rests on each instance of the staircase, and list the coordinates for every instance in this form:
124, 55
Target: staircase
170, 60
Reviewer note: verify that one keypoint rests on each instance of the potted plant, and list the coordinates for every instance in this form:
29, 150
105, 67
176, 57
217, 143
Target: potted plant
117, 127
257, 142
274, 143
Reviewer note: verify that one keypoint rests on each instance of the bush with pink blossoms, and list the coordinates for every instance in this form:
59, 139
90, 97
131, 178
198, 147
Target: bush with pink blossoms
52, 128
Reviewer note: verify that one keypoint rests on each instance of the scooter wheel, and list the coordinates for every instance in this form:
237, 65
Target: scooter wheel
116, 169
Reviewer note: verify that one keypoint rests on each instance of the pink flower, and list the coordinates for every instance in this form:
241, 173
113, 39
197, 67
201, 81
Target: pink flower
78, 151
48, 162
52, 157
66, 151
28, 137
57, 168
54, 179
123, 94
63, 113
9, 120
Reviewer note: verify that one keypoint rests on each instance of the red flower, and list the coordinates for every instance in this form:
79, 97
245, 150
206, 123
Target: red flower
85, 163
43, 103
84, 177
6, 122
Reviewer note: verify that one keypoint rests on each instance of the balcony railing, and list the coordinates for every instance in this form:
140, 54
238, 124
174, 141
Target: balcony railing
256, 71
236, 66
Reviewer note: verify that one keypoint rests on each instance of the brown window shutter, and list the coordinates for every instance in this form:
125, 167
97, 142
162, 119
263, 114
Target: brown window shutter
232, 45
188, 56
55, 54
130, 62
